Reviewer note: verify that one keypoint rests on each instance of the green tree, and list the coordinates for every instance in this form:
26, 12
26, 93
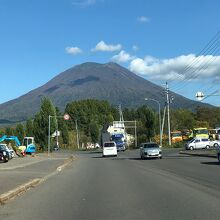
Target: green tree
129, 114
182, 119
29, 128
19, 132
9, 131
2, 132
90, 115
94, 131
150, 123
41, 122
207, 117
147, 119
65, 134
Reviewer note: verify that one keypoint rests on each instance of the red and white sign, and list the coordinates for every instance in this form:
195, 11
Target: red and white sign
66, 117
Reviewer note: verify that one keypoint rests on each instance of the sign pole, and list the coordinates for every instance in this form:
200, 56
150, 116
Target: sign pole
48, 153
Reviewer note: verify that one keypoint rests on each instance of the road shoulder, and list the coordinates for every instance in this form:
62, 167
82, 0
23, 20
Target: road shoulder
20, 177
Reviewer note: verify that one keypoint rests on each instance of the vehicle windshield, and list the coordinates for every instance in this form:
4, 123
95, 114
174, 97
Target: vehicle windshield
176, 135
151, 146
192, 140
2, 147
201, 131
116, 139
186, 133
110, 144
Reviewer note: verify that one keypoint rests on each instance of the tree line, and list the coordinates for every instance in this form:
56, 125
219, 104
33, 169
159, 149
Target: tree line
91, 115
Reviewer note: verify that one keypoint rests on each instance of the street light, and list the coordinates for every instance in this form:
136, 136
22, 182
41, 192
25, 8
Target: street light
48, 149
154, 100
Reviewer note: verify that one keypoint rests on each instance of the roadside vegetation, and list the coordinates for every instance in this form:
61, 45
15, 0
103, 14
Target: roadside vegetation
91, 115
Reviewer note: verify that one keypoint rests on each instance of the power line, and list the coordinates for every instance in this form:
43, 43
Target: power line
196, 72
207, 49
202, 66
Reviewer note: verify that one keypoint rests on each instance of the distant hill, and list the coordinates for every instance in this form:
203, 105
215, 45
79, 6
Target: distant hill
108, 81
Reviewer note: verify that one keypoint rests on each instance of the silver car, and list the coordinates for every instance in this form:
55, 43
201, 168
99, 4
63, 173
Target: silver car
150, 150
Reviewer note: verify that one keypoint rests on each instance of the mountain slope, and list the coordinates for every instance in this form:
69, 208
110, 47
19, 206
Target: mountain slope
91, 81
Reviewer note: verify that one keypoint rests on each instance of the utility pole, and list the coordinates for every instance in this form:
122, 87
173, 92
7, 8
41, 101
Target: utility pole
164, 113
168, 112
77, 134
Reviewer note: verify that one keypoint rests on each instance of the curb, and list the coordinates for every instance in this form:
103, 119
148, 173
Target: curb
198, 154
66, 163
18, 190
32, 183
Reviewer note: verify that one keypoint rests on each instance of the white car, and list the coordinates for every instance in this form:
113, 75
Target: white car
109, 149
215, 143
198, 143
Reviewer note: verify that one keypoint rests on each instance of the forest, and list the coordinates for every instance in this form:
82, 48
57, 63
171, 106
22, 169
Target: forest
91, 115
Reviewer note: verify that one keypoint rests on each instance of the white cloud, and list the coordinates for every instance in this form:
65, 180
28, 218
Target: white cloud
122, 57
73, 50
135, 48
178, 68
143, 19
84, 3
102, 46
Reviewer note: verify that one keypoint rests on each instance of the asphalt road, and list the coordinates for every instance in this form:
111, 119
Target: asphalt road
176, 187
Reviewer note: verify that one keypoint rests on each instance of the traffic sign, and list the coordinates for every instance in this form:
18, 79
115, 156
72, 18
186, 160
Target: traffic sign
66, 117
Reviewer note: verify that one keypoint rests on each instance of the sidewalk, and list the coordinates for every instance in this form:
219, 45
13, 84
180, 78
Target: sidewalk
200, 153
19, 171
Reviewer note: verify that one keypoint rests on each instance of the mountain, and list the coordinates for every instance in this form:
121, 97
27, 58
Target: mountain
108, 81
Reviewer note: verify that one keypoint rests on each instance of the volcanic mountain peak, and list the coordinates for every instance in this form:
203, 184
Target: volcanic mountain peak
90, 80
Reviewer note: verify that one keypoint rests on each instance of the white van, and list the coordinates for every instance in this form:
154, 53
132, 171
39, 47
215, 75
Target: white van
109, 149
198, 143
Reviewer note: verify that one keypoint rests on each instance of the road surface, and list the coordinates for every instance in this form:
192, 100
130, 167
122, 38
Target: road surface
176, 187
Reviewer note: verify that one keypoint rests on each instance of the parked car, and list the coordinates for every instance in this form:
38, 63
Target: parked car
218, 153
9, 150
176, 136
109, 149
215, 143
4, 154
150, 150
198, 143
56, 147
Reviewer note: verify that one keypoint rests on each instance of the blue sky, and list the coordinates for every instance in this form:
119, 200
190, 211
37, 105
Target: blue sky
158, 40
